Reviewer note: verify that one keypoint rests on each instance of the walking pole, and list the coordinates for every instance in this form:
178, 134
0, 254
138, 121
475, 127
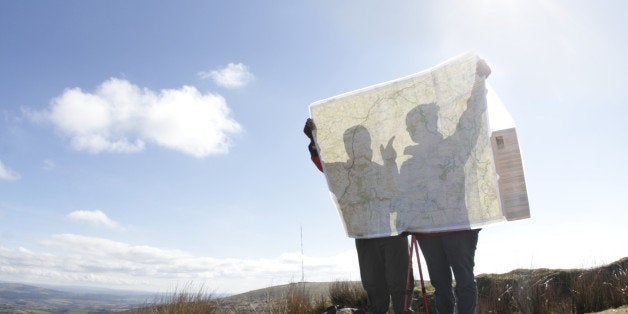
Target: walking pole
414, 245
418, 260
408, 278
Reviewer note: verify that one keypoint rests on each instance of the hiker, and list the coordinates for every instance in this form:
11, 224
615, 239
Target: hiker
383, 261
445, 252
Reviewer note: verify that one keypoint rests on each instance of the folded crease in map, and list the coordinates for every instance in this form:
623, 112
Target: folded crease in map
428, 152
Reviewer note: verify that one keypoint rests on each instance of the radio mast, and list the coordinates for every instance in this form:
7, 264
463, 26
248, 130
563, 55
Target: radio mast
302, 270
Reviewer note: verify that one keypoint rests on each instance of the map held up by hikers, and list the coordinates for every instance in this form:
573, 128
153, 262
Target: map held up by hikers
416, 154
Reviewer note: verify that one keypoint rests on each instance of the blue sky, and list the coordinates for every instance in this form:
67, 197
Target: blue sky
189, 164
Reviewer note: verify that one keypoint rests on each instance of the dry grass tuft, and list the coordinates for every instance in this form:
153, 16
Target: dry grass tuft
298, 301
555, 291
181, 302
348, 293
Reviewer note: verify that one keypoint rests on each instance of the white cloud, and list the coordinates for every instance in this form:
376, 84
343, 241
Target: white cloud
7, 174
49, 165
94, 217
235, 75
82, 260
121, 117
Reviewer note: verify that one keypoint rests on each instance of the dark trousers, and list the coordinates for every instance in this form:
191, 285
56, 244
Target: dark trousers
383, 270
454, 251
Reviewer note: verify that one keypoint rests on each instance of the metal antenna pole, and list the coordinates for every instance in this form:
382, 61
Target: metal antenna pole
302, 270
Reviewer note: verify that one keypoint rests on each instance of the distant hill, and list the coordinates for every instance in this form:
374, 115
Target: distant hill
262, 299
16, 296
314, 289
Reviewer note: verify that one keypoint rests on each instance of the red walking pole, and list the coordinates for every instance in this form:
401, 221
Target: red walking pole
414, 244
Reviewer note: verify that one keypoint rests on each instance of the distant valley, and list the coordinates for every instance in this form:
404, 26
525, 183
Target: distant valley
23, 297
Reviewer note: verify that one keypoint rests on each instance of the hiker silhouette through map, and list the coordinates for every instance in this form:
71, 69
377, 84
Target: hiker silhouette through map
436, 156
368, 186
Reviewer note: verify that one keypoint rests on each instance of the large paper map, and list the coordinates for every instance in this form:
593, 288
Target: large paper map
415, 154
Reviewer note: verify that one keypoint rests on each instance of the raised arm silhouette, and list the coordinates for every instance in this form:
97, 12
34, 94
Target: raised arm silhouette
433, 178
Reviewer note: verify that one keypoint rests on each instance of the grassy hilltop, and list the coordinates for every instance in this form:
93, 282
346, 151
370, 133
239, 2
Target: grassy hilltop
519, 291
